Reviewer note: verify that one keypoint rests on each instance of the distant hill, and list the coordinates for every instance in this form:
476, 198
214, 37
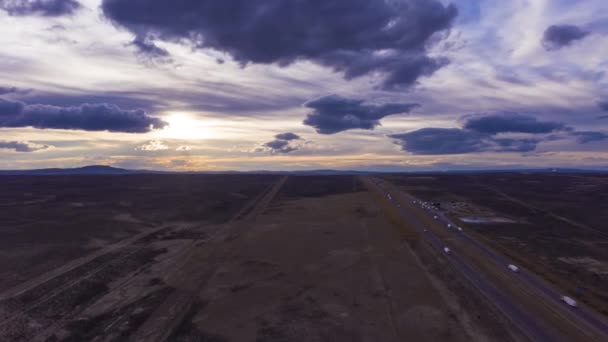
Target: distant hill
109, 170
86, 170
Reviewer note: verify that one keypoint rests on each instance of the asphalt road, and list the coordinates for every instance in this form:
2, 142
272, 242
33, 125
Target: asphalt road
515, 311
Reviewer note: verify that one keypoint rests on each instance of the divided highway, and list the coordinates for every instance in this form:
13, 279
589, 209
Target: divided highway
589, 324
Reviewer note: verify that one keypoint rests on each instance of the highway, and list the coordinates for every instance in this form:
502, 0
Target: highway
514, 309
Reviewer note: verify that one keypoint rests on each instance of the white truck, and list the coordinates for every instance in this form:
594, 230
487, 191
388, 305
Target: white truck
446, 250
569, 301
513, 268
459, 229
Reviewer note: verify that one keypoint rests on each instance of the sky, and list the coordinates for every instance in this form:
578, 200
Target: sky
383, 85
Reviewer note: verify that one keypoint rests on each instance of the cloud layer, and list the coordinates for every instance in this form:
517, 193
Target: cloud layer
439, 141
332, 114
355, 37
486, 133
510, 123
7, 90
22, 146
87, 117
45, 8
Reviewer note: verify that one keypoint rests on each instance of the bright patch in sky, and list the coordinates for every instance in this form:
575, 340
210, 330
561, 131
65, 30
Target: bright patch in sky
186, 127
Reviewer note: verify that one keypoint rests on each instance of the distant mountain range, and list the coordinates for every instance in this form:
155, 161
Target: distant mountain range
109, 170
86, 170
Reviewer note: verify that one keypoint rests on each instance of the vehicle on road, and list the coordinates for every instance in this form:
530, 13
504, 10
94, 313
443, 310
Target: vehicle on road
435, 217
513, 268
446, 250
569, 301
459, 229
449, 225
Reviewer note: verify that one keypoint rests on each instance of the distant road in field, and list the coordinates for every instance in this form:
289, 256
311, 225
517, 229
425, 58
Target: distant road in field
528, 301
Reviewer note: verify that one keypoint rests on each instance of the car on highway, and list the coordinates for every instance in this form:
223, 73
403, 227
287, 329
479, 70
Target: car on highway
446, 250
569, 301
513, 268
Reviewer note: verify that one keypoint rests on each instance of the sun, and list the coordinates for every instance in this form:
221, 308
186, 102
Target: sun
184, 126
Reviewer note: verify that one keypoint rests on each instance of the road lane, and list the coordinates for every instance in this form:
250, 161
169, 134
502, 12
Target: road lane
525, 321
581, 313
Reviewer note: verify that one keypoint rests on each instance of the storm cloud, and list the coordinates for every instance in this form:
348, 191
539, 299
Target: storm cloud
45, 8
559, 36
332, 114
354, 37
22, 146
88, 117
510, 123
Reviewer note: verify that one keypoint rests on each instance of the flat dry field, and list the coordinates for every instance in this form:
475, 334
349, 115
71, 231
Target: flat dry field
278, 259
47, 221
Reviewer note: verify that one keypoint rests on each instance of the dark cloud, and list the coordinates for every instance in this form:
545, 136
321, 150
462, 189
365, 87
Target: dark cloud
282, 143
88, 117
585, 137
287, 136
147, 49
510, 123
559, 36
603, 105
45, 8
10, 108
7, 90
436, 141
482, 133
499, 132
22, 146
356, 37
332, 114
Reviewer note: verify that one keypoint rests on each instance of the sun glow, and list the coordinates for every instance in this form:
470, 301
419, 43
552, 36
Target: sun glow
183, 126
